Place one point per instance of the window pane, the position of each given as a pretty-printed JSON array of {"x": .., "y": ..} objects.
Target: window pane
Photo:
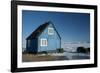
[
  {"x": 50, "y": 31},
  {"x": 43, "y": 42},
  {"x": 28, "y": 43}
]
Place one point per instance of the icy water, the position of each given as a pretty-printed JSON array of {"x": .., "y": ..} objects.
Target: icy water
[
  {"x": 75, "y": 56},
  {"x": 71, "y": 56}
]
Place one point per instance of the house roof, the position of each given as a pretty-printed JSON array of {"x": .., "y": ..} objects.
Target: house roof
[{"x": 39, "y": 30}]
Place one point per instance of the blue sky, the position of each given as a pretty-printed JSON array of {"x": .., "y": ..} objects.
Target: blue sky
[{"x": 72, "y": 27}]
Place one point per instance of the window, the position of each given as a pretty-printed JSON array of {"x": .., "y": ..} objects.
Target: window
[
  {"x": 44, "y": 42},
  {"x": 50, "y": 31},
  {"x": 29, "y": 42}
]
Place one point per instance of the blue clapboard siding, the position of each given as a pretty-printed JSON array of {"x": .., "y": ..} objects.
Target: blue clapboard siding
[
  {"x": 53, "y": 40},
  {"x": 33, "y": 45}
]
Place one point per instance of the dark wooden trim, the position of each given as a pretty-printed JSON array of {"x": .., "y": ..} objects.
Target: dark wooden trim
[
  {"x": 95, "y": 37},
  {"x": 13, "y": 36}
]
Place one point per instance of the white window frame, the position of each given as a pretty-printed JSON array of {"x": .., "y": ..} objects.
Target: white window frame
[
  {"x": 50, "y": 28},
  {"x": 41, "y": 42}
]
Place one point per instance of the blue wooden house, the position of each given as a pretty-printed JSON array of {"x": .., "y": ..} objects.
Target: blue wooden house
[{"x": 44, "y": 38}]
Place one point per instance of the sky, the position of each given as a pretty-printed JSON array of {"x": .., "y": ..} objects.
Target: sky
[{"x": 72, "y": 27}]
